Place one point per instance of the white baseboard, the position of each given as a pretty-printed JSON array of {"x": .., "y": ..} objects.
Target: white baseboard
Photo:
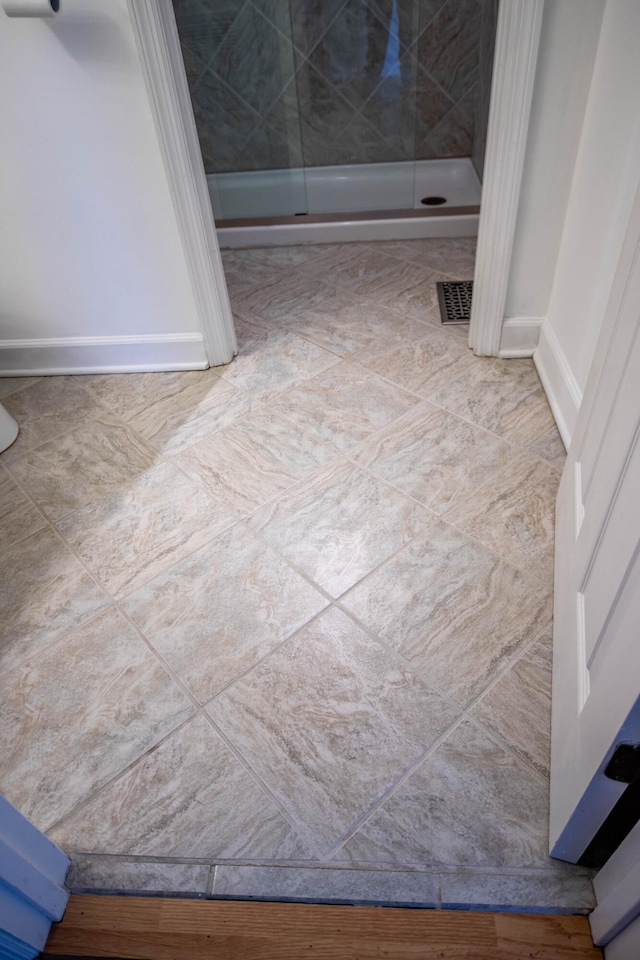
[
  {"x": 519, "y": 336},
  {"x": 560, "y": 385},
  {"x": 171, "y": 351}
]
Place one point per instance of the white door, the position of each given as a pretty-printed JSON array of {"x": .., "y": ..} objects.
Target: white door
[{"x": 596, "y": 670}]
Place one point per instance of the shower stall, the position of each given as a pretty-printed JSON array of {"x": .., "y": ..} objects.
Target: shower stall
[{"x": 325, "y": 120}]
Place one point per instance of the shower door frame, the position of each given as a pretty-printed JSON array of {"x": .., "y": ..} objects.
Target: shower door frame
[{"x": 517, "y": 39}]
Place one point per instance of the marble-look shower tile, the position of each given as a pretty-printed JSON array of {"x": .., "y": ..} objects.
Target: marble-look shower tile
[
  {"x": 391, "y": 109},
  {"x": 220, "y": 611},
  {"x": 451, "y": 137},
  {"x": 310, "y": 19},
  {"x": 448, "y": 46},
  {"x": 203, "y": 26},
  {"x": 341, "y": 323},
  {"x": 513, "y": 514},
  {"x": 274, "y": 361},
  {"x": 454, "y": 610},
  {"x": 433, "y": 456},
  {"x": 343, "y": 405},
  {"x": 424, "y": 362},
  {"x": 340, "y": 526},
  {"x": 504, "y": 396},
  {"x": 224, "y": 122},
  {"x": 351, "y": 53},
  {"x": 550, "y": 447},
  {"x": 254, "y": 460},
  {"x": 330, "y": 721},
  {"x": 324, "y": 115},
  {"x": 130, "y": 536},
  {"x": 9, "y": 385},
  {"x": 470, "y": 803},
  {"x": 321, "y": 884},
  {"x": 93, "y": 874},
  {"x": 48, "y": 408},
  {"x": 254, "y": 60},
  {"x": 431, "y": 106},
  {"x": 84, "y": 465},
  {"x": 518, "y": 707},
  {"x": 44, "y": 593},
  {"x": 190, "y": 794},
  {"x": 560, "y": 889},
  {"x": 172, "y": 410},
  {"x": 79, "y": 712},
  {"x": 18, "y": 517}
]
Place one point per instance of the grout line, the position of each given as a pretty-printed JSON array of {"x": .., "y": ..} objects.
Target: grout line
[
  {"x": 357, "y": 825},
  {"x": 253, "y": 773}
]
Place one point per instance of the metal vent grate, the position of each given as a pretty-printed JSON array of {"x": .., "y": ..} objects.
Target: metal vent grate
[{"x": 454, "y": 297}]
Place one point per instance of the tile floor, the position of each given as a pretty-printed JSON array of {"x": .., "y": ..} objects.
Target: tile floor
[{"x": 283, "y": 628}]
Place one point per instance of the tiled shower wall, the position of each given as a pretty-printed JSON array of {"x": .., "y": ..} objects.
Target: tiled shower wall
[{"x": 290, "y": 83}]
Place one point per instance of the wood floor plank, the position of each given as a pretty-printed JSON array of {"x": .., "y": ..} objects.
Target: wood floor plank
[{"x": 146, "y": 928}]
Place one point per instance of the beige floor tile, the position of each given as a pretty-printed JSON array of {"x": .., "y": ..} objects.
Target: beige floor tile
[
  {"x": 49, "y": 408},
  {"x": 10, "y": 385},
  {"x": 375, "y": 275},
  {"x": 44, "y": 593},
  {"x": 172, "y": 410},
  {"x": 254, "y": 460},
  {"x": 340, "y": 322},
  {"x": 18, "y": 517},
  {"x": 418, "y": 299},
  {"x": 280, "y": 301},
  {"x": 340, "y": 526},
  {"x": 343, "y": 405},
  {"x": 128, "y": 537},
  {"x": 78, "y": 713},
  {"x": 274, "y": 362},
  {"x": 319, "y": 884},
  {"x": 518, "y": 707},
  {"x": 561, "y": 888},
  {"x": 453, "y": 256},
  {"x": 513, "y": 514},
  {"x": 424, "y": 362},
  {"x": 106, "y": 874},
  {"x": 433, "y": 455},
  {"x": 221, "y": 610},
  {"x": 504, "y": 396},
  {"x": 470, "y": 802},
  {"x": 191, "y": 794},
  {"x": 84, "y": 465},
  {"x": 330, "y": 721},
  {"x": 452, "y": 609},
  {"x": 550, "y": 447}
]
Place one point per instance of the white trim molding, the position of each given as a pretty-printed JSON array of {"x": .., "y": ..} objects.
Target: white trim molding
[
  {"x": 519, "y": 336},
  {"x": 163, "y": 67},
  {"x": 62, "y": 355},
  {"x": 32, "y": 893},
  {"x": 516, "y": 55},
  {"x": 560, "y": 385}
]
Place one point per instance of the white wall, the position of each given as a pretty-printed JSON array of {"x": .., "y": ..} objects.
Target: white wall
[
  {"x": 90, "y": 245},
  {"x": 568, "y": 42},
  {"x": 605, "y": 179}
]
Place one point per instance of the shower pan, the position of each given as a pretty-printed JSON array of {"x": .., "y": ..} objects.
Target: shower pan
[{"x": 341, "y": 119}]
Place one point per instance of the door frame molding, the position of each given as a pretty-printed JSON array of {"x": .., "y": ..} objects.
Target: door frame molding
[
  {"x": 158, "y": 46},
  {"x": 514, "y": 67},
  {"x": 517, "y": 41}
]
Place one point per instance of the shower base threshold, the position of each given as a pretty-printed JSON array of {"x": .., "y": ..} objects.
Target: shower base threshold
[
  {"x": 346, "y": 228},
  {"x": 376, "y": 201}
]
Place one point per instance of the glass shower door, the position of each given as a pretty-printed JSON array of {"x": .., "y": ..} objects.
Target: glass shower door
[{"x": 240, "y": 64}]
